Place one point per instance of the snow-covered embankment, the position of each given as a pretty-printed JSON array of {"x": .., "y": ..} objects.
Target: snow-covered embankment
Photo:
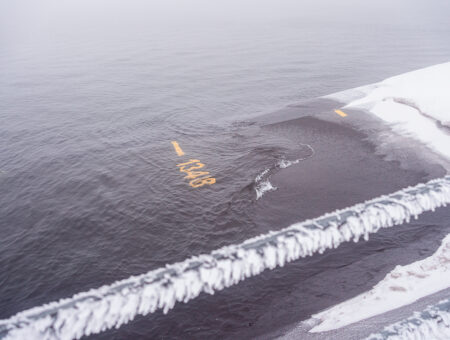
[
  {"x": 415, "y": 105},
  {"x": 402, "y": 286}
]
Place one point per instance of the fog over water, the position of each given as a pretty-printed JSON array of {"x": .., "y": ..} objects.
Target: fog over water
[{"x": 93, "y": 92}]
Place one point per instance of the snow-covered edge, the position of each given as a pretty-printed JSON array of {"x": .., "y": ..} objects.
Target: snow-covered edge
[
  {"x": 415, "y": 105},
  {"x": 116, "y": 304},
  {"x": 402, "y": 286},
  {"x": 431, "y": 323}
]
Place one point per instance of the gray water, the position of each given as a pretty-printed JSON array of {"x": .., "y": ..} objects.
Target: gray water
[{"x": 93, "y": 92}]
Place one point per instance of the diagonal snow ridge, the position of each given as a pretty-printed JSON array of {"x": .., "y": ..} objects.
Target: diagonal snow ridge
[
  {"x": 113, "y": 305},
  {"x": 431, "y": 323}
]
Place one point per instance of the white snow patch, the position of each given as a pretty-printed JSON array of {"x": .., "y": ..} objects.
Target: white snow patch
[
  {"x": 431, "y": 323},
  {"x": 402, "y": 286},
  {"x": 414, "y": 104}
]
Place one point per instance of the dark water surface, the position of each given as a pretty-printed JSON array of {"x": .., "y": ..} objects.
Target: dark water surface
[{"x": 93, "y": 92}]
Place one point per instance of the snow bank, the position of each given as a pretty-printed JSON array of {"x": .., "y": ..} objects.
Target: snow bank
[
  {"x": 402, "y": 286},
  {"x": 432, "y": 323},
  {"x": 414, "y": 104},
  {"x": 113, "y": 305}
]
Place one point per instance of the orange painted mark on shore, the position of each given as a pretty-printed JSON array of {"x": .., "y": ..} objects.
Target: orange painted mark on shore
[
  {"x": 177, "y": 148},
  {"x": 340, "y": 113}
]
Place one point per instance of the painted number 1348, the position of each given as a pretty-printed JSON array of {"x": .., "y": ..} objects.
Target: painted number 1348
[{"x": 197, "y": 177}]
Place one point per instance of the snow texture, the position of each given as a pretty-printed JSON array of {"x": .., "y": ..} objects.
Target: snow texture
[
  {"x": 432, "y": 323},
  {"x": 114, "y": 305},
  {"x": 400, "y": 287},
  {"x": 415, "y": 104}
]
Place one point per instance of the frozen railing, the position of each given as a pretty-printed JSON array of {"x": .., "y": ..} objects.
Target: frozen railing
[
  {"x": 113, "y": 305},
  {"x": 431, "y": 323}
]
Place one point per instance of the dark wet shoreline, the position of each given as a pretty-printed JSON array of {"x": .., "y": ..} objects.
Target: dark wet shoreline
[{"x": 344, "y": 170}]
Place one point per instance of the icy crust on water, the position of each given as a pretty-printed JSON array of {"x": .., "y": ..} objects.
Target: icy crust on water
[
  {"x": 113, "y": 305},
  {"x": 432, "y": 323},
  {"x": 262, "y": 184},
  {"x": 262, "y": 181},
  {"x": 414, "y": 104},
  {"x": 262, "y": 187},
  {"x": 400, "y": 287}
]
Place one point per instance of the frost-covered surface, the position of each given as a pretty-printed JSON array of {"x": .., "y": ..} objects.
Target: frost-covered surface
[
  {"x": 111, "y": 306},
  {"x": 432, "y": 323},
  {"x": 414, "y": 104},
  {"x": 400, "y": 287}
]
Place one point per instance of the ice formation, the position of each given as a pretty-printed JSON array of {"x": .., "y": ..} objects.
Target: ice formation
[
  {"x": 262, "y": 181},
  {"x": 262, "y": 184},
  {"x": 400, "y": 287},
  {"x": 432, "y": 323},
  {"x": 114, "y": 305},
  {"x": 415, "y": 104},
  {"x": 262, "y": 187}
]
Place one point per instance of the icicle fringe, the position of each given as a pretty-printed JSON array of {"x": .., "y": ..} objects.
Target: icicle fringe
[
  {"x": 116, "y": 304},
  {"x": 431, "y": 323}
]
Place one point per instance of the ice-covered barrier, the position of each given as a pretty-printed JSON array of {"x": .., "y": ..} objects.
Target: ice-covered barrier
[
  {"x": 113, "y": 305},
  {"x": 432, "y": 323}
]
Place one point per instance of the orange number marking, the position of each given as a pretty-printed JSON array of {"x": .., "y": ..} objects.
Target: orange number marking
[{"x": 199, "y": 182}]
